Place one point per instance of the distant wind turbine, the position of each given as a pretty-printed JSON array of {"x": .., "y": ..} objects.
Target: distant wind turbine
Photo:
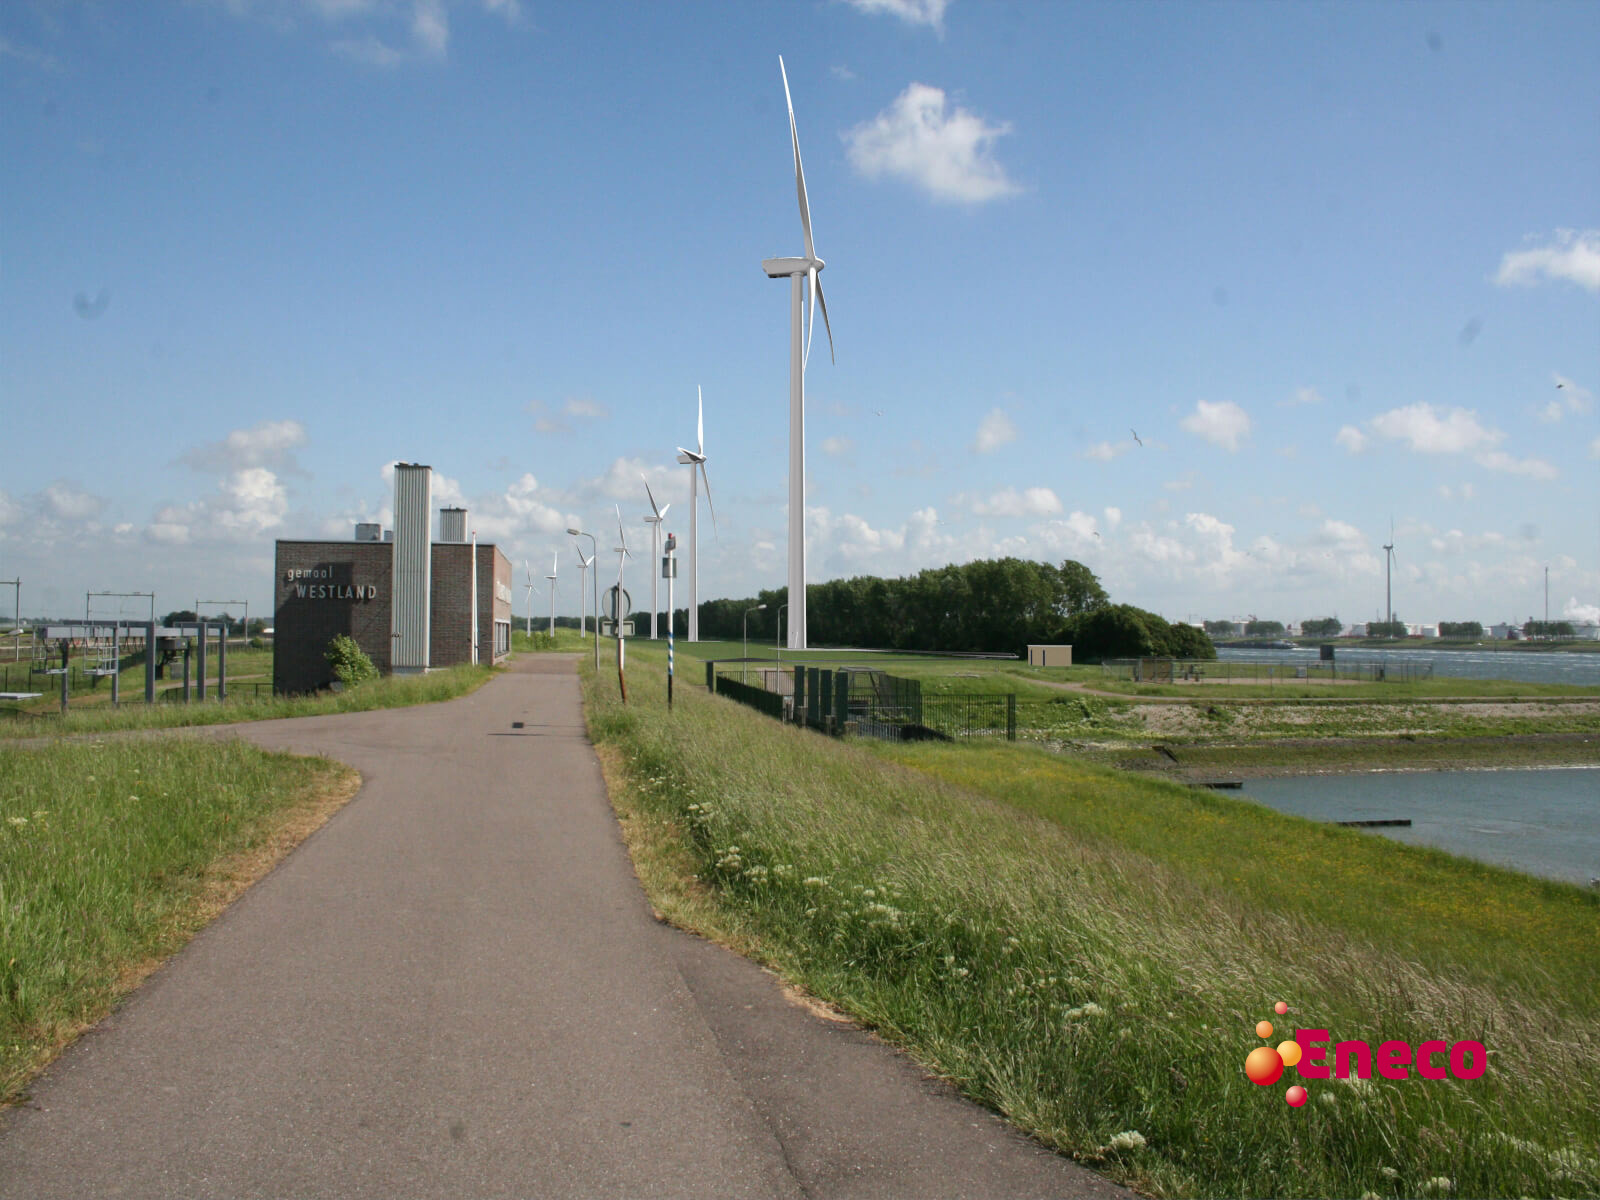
[
  {"x": 803, "y": 276},
  {"x": 583, "y": 601},
  {"x": 654, "y": 521},
  {"x": 552, "y": 578},
  {"x": 695, "y": 460},
  {"x": 527, "y": 627},
  {"x": 1388, "y": 563}
]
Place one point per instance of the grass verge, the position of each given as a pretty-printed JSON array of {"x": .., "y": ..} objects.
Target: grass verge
[
  {"x": 395, "y": 691},
  {"x": 112, "y": 855},
  {"x": 1088, "y": 953}
]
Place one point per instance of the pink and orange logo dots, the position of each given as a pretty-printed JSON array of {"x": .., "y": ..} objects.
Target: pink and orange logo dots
[{"x": 1264, "y": 1065}]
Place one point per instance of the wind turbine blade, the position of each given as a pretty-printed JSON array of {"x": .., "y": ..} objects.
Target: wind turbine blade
[
  {"x": 663, "y": 513},
  {"x": 652, "y": 496},
  {"x": 811, "y": 318},
  {"x": 823, "y": 300},
  {"x": 799, "y": 171},
  {"x": 710, "y": 505},
  {"x": 700, "y": 424}
]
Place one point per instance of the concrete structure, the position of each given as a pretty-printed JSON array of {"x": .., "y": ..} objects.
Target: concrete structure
[
  {"x": 1049, "y": 656},
  {"x": 411, "y": 604}
]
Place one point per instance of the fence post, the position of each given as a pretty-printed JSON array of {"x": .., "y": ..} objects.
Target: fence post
[
  {"x": 813, "y": 700},
  {"x": 841, "y": 701},
  {"x": 711, "y": 674},
  {"x": 824, "y": 697},
  {"x": 1011, "y": 716},
  {"x": 799, "y": 694}
]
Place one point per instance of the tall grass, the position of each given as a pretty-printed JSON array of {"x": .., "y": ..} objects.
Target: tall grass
[
  {"x": 1090, "y": 954},
  {"x": 394, "y": 691},
  {"x": 112, "y": 855}
]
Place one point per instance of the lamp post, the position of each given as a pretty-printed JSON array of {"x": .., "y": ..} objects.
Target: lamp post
[
  {"x": 747, "y": 613},
  {"x": 593, "y": 552}
]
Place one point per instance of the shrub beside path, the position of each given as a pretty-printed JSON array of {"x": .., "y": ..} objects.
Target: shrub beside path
[{"x": 456, "y": 988}]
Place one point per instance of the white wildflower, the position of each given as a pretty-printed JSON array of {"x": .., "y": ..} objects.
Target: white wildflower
[
  {"x": 1388, "y": 1172},
  {"x": 1128, "y": 1139},
  {"x": 814, "y": 881},
  {"x": 19, "y": 822},
  {"x": 1089, "y": 1009},
  {"x": 1441, "y": 1184}
]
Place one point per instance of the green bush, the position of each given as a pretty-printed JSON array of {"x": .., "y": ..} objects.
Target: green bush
[{"x": 350, "y": 663}]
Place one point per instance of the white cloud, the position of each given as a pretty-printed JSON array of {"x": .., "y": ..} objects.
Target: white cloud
[
  {"x": 994, "y": 431},
  {"x": 1113, "y": 517},
  {"x": 1570, "y": 255},
  {"x": 1427, "y": 430},
  {"x": 1532, "y": 468},
  {"x": 72, "y": 503},
  {"x": 948, "y": 155},
  {"x": 837, "y": 446},
  {"x": 1552, "y": 412},
  {"x": 840, "y": 71},
  {"x": 585, "y": 407},
  {"x": 1302, "y": 396},
  {"x": 912, "y": 12},
  {"x": 269, "y": 444},
  {"x": 1351, "y": 438},
  {"x": 1583, "y": 614},
  {"x": 1221, "y": 424},
  {"x": 1030, "y": 502},
  {"x": 247, "y": 504},
  {"x": 1106, "y": 451}
]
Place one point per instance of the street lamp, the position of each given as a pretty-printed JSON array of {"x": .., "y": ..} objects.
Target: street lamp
[
  {"x": 593, "y": 552},
  {"x": 747, "y": 613}
]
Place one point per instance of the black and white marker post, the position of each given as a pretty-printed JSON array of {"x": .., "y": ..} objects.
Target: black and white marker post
[{"x": 669, "y": 570}]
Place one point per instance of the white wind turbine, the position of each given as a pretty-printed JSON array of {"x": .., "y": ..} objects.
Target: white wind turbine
[
  {"x": 527, "y": 627},
  {"x": 552, "y": 578},
  {"x": 695, "y": 460},
  {"x": 655, "y": 551},
  {"x": 802, "y": 274},
  {"x": 583, "y": 595}
]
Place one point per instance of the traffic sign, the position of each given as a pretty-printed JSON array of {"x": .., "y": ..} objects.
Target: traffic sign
[{"x": 611, "y": 603}]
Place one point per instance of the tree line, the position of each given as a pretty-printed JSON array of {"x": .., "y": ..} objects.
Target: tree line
[{"x": 991, "y": 606}]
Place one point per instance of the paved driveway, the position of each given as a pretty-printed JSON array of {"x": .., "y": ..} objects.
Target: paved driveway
[{"x": 455, "y": 988}]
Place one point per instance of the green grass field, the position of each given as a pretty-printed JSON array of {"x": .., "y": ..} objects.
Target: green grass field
[
  {"x": 113, "y": 854},
  {"x": 1089, "y": 952},
  {"x": 392, "y": 692}
]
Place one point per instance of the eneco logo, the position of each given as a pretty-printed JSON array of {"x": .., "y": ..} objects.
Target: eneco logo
[{"x": 1308, "y": 1052}]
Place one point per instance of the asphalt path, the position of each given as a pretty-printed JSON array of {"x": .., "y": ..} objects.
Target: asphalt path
[{"x": 456, "y": 988}]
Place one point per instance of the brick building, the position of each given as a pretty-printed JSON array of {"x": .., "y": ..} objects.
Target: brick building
[{"x": 406, "y": 599}]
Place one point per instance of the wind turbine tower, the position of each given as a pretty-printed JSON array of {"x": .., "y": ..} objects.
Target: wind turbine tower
[
  {"x": 695, "y": 460},
  {"x": 804, "y": 281},
  {"x": 527, "y": 627},
  {"x": 1388, "y": 563},
  {"x": 654, "y": 521},
  {"x": 583, "y": 596},
  {"x": 552, "y": 578}
]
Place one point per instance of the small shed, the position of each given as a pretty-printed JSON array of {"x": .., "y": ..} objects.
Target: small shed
[{"x": 1049, "y": 656}]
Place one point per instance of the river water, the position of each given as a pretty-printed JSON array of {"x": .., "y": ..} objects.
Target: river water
[
  {"x": 1544, "y": 821},
  {"x": 1524, "y": 666}
]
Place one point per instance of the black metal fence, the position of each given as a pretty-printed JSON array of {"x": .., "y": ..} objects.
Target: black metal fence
[{"x": 863, "y": 701}]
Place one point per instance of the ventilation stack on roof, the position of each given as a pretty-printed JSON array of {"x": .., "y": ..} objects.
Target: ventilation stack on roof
[
  {"x": 413, "y": 566},
  {"x": 369, "y": 531},
  {"x": 452, "y": 524}
]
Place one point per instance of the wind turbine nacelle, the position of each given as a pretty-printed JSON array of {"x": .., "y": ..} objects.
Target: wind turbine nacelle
[
  {"x": 688, "y": 459},
  {"x": 781, "y": 268}
]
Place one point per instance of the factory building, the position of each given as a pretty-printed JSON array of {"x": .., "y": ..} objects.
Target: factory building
[{"x": 411, "y": 601}]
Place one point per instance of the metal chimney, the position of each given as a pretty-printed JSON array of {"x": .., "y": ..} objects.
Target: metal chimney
[
  {"x": 413, "y": 567},
  {"x": 369, "y": 531},
  {"x": 452, "y": 524}
]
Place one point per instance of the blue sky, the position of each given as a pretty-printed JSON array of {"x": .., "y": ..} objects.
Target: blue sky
[{"x": 1335, "y": 264}]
